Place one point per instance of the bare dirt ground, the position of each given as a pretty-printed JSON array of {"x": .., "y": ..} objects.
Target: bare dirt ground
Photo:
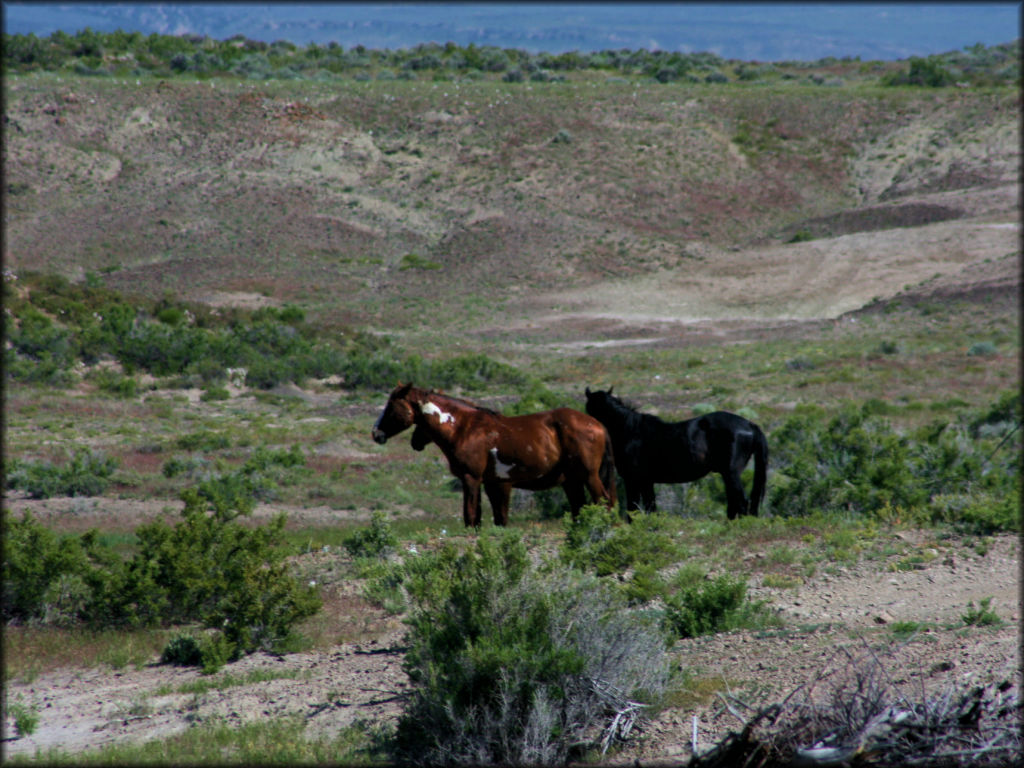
[
  {"x": 828, "y": 618},
  {"x": 716, "y": 290}
]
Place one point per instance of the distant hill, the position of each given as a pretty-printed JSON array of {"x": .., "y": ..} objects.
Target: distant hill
[{"x": 759, "y": 32}]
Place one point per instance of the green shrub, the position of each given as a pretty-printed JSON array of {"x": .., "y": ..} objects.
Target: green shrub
[
  {"x": 85, "y": 474},
  {"x": 979, "y": 514},
  {"x": 512, "y": 666},
  {"x": 38, "y": 337},
  {"x": 209, "y": 568},
  {"x": 415, "y": 261},
  {"x": 183, "y": 651},
  {"x": 376, "y": 541},
  {"x": 192, "y": 466},
  {"x": 203, "y": 440},
  {"x": 473, "y": 371},
  {"x": 214, "y": 393},
  {"x": 172, "y": 316},
  {"x": 216, "y": 650},
  {"x": 273, "y": 345},
  {"x": 113, "y": 382},
  {"x": 857, "y": 462},
  {"x": 39, "y": 351},
  {"x": 534, "y": 397},
  {"x": 1006, "y": 410},
  {"x": 982, "y": 349},
  {"x": 706, "y": 607},
  {"x": 599, "y": 541},
  {"x": 161, "y": 349},
  {"x": 928, "y": 72},
  {"x": 982, "y": 616},
  {"x": 36, "y": 562},
  {"x": 26, "y": 718}
]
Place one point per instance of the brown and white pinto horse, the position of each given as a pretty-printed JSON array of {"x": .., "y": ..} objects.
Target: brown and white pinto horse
[{"x": 536, "y": 451}]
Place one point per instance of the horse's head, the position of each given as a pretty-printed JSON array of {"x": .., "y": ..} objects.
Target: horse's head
[
  {"x": 599, "y": 402},
  {"x": 397, "y": 415}
]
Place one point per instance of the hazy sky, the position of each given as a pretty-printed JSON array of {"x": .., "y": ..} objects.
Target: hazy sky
[{"x": 766, "y": 31}]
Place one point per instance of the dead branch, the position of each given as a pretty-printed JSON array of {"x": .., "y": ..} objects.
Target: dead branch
[{"x": 861, "y": 718}]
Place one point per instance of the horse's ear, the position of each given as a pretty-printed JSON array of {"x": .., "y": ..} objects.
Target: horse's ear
[
  {"x": 610, "y": 389},
  {"x": 401, "y": 389},
  {"x": 586, "y": 391}
]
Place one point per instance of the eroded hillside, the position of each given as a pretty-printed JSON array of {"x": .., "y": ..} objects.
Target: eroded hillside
[{"x": 346, "y": 196}]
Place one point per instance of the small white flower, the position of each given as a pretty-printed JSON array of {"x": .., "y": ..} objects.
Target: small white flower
[
  {"x": 312, "y": 583},
  {"x": 412, "y": 549}
]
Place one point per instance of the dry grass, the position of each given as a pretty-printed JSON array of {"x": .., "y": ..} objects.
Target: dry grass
[
  {"x": 346, "y": 617},
  {"x": 30, "y": 650}
]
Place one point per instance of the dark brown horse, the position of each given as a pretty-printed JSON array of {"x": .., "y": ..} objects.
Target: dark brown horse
[
  {"x": 536, "y": 451},
  {"x": 649, "y": 450}
]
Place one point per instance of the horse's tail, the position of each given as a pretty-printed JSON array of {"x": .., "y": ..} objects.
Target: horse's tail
[
  {"x": 607, "y": 471},
  {"x": 760, "y": 470}
]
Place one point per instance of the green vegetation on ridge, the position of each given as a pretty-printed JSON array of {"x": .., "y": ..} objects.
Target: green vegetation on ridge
[{"x": 121, "y": 53}]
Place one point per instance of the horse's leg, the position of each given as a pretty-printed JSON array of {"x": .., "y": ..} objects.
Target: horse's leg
[
  {"x": 471, "y": 501},
  {"x": 647, "y": 493},
  {"x": 598, "y": 492},
  {"x": 735, "y": 496},
  {"x": 632, "y": 495},
  {"x": 498, "y": 494},
  {"x": 574, "y": 492}
]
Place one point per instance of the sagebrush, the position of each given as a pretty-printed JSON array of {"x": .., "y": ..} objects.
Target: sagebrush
[{"x": 518, "y": 666}]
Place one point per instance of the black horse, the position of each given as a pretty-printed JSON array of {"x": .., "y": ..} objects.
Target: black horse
[{"x": 649, "y": 450}]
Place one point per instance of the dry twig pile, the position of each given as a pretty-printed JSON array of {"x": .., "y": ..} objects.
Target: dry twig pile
[{"x": 853, "y": 715}]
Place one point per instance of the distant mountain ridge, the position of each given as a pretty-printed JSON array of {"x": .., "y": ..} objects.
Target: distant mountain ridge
[{"x": 759, "y": 32}]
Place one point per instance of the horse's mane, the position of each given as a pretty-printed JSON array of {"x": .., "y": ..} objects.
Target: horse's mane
[
  {"x": 628, "y": 412},
  {"x": 622, "y": 405},
  {"x": 463, "y": 401}
]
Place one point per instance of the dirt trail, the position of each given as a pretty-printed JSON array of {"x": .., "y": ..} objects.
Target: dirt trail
[{"x": 816, "y": 280}]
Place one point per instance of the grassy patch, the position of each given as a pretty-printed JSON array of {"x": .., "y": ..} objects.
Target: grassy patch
[
  {"x": 29, "y": 650},
  {"x": 688, "y": 690},
  {"x": 281, "y": 741},
  {"x": 982, "y": 615},
  {"x": 220, "y": 682}
]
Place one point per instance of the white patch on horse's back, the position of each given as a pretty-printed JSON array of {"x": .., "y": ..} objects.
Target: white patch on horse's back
[
  {"x": 428, "y": 409},
  {"x": 501, "y": 470}
]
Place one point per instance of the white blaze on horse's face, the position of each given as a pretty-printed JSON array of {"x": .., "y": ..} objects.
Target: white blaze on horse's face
[
  {"x": 430, "y": 409},
  {"x": 501, "y": 470}
]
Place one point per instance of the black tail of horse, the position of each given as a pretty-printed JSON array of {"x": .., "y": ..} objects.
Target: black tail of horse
[
  {"x": 760, "y": 470},
  {"x": 607, "y": 472}
]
